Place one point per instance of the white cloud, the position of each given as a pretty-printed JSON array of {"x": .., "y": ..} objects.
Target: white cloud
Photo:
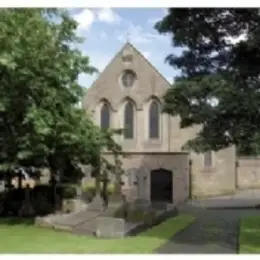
[
  {"x": 137, "y": 34},
  {"x": 108, "y": 15},
  {"x": 85, "y": 19}
]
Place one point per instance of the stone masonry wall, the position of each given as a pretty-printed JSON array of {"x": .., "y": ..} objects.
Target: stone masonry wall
[
  {"x": 220, "y": 179},
  {"x": 138, "y": 166},
  {"x": 248, "y": 172}
]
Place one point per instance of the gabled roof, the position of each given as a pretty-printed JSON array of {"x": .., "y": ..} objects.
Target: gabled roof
[{"x": 125, "y": 46}]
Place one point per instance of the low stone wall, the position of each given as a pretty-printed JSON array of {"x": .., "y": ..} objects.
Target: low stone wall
[
  {"x": 217, "y": 180},
  {"x": 248, "y": 172}
]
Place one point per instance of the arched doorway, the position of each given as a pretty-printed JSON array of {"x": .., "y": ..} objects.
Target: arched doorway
[{"x": 161, "y": 186}]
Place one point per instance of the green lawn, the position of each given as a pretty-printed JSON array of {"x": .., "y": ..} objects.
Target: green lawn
[
  {"x": 249, "y": 239},
  {"x": 27, "y": 238}
]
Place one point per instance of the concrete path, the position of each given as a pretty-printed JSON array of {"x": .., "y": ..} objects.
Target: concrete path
[
  {"x": 241, "y": 199},
  {"x": 215, "y": 231}
]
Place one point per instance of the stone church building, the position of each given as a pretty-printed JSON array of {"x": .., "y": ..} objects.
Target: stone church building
[{"x": 128, "y": 94}]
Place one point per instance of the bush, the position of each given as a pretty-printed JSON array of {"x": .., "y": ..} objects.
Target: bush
[
  {"x": 120, "y": 212},
  {"x": 42, "y": 205},
  {"x": 13, "y": 201},
  {"x": 149, "y": 217},
  {"x": 90, "y": 190},
  {"x": 135, "y": 215},
  {"x": 69, "y": 191},
  {"x": 41, "y": 197}
]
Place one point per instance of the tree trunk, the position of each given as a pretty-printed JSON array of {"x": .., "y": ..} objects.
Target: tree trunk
[
  {"x": 53, "y": 184},
  {"x": 19, "y": 180},
  {"x": 97, "y": 181},
  {"x": 8, "y": 181},
  {"x": 118, "y": 183},
  {"x": 117, "y": 196},
  {"x": 105, "y": 182},
  {"x": 97, "y": 202}
]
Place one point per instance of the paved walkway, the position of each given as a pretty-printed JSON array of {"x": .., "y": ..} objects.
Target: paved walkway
[
  {"x": 241, "y": 199},
  {"x": 215, "y": 231}
]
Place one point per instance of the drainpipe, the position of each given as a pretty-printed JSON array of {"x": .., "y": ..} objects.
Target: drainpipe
[{"x": 169, "y": 133}]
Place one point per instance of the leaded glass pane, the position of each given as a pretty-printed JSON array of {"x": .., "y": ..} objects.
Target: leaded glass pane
[
  {"x": 129, "y": 121},
  {"x": 154, "y": 120},
  {"x": 105, "y": 117}
]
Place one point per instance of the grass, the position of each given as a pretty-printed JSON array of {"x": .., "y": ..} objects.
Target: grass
[
  {"x": 249, "y": 238},
  {"x": 23, "y": 237}
]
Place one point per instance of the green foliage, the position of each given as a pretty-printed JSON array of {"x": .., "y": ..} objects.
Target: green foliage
[
  {"x": 91, "y": 186},
  {"x": 39, "y": 119},
  {"x": 90, "y": 191},
  {"x": 147, "y": 217},
  {"x": 42, "y": 205},
  {"x": 218, "y": 88},
  {"x": 40, "y": 198},
  {"x": 69, "y": 191}
]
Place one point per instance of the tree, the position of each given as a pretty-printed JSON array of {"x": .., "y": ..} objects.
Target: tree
[
  {"x": 218, "y": 87},
  {"x": 39, "y": 120}
]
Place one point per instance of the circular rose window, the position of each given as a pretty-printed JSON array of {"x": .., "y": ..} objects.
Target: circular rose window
[{"x": 128, "y": 78}]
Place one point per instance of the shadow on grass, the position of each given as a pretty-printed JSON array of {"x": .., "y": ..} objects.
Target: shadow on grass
[
  {"x": 16, "y": 221},
  {"x": 214, "y": 231},
  {"x": 205, "y": 234},
  {"x": 160, "y": 219}
]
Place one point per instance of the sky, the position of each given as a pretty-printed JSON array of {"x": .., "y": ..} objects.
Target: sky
[{"x": 106, "y": 30}]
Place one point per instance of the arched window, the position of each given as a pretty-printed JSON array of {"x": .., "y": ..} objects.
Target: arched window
[
  {"x": 154, "y": 120},
  {"x": 105, "y": 116},
  {"x": 129, "y": 121}
]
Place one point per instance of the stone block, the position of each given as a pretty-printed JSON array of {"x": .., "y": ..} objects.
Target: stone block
[
  {"x": 108, "y": 227},
  {"x": 42, "y": 222},
  {"x": 140, "y": 204},
  {"x": 97, "y": 204},
  {"x": 160, "y": 206},
  {"x": 68, "y": 206},
  {"x": 63, "y": 228},
  {"x": 73, "y": 205}
]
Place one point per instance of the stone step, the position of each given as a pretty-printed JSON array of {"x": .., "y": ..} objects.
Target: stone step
[
  {"x": 89, "y": 225},
  {"x": 86, "y": 228},
  {"x": 75, "y": 219},
  {"x": 83, "y": 232},
  {"x": 62, "y": 227}
]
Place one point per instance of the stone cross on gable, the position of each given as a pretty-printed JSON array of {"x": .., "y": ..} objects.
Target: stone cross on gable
[{"x": 128, "y": 37}]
